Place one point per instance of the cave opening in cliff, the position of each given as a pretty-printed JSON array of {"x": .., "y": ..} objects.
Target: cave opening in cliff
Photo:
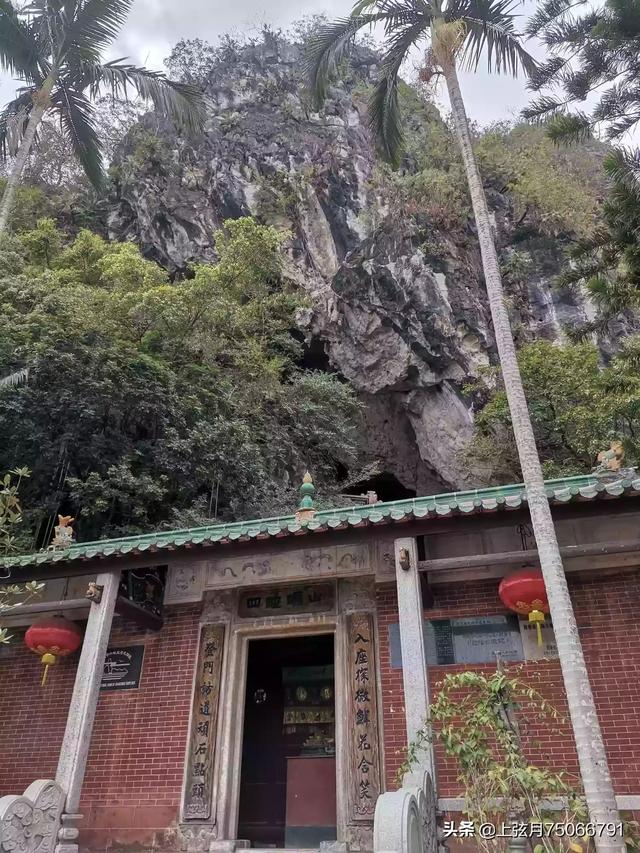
[
  {"x": 314, "y": 356},
  {"x": 386, "y": 486}
]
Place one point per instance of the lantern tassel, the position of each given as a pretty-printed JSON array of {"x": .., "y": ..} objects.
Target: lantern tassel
[
  {"x": 48, "y": 660},
  {"x": 537, "y": 616}
]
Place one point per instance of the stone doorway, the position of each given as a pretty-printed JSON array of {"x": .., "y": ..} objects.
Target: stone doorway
[
  {"x": 348, "y": 620},
  {"x": 287, "y": 795}
]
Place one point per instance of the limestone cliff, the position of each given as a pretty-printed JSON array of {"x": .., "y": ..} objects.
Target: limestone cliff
[{"x": 399, "y": 306}]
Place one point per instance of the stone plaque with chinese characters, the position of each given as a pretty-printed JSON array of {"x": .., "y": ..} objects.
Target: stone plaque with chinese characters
[
  {"x": 362, "y": 722},
  {"x": 184, "y": 583},
  {"x": 332, "y": 561},
  {"x": 204, "y": 717},
  {"x": 287, "y": 600}
]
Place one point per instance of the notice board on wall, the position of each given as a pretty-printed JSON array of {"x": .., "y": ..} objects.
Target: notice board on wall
[
  {"x": 477, "y": 639},
  {"x": 122, "y": 668}
]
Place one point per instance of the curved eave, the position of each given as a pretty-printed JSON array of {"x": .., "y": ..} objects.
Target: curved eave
[{"x": 481, "y": 502}]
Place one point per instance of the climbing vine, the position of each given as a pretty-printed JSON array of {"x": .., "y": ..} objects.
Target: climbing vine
[{"x": 482, "y": 723}]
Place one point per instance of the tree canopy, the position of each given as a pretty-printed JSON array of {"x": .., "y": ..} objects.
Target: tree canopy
[
  {"x": 592, "y": 51},
  {"x": 577, "y": 408},
  {"x": 151, "y": 402}
]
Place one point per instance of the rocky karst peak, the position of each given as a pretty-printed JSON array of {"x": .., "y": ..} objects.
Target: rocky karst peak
[{"x": 398, "y": 303}]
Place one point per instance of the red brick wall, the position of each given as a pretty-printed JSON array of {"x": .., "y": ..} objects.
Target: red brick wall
[
  {"x": 134, "y": 774},
  {"x": 607, "y": 615},
  {"x": 134, "y": 778}
]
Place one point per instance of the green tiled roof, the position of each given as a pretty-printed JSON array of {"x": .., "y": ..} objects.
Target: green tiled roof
[{"x": 581, "y": 488}]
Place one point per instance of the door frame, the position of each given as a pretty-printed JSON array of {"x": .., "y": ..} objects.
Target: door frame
[{"x": 228, "y": 761}]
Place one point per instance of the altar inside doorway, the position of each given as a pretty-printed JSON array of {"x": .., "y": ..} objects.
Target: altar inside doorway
[{"x": 288, "y": 771}]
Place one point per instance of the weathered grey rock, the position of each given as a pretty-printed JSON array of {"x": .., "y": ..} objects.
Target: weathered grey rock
[{"x": 400, "y": 309}]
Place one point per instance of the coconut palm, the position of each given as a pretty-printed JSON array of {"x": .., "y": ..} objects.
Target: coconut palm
[
  {"x": 458, "y": 33},
  {"x": 55, "y": 48}
]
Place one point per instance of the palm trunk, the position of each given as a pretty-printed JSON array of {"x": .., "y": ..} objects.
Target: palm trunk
[
  {"x": 35, "y": 117},
  {"x": 594, "y": 769}
]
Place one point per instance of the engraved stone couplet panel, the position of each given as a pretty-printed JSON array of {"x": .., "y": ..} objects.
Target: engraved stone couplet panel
[
  {"x": 184, "y": 583},
  {"x": 204, "y": 717},
  {"x": 30, "y": 822},
  {"x": 332, "y": 561},
  {"x": 362, "y": 719}
]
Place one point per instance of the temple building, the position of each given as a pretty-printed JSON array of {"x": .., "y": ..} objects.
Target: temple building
[{"x": 253, "y": 684}]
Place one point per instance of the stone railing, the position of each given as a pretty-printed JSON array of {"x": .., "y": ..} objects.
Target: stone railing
[
  {"x": 29, "y": 823},
  {"x": 405, "y": 820}
]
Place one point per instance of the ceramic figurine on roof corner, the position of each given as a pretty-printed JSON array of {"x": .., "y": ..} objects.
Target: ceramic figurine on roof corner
[
  {"x": 63, "y": 534},
  {"x": 610, "y": 464}
]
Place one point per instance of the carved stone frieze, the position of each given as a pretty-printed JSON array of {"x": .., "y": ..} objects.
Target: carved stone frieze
[
  {"x": 30, "y": 822},
  {"x": 359, "y": 837},
  {"x": 356, "y": 594},
  {"x": 195, "y": 839},
  {"x": 219, "y": 606},
  {"x": 184, "y": 583}
]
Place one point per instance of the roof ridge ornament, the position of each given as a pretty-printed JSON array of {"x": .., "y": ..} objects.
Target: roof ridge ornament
[
  {"x": 63, "y": 534},
  {"x": 610, "y": 468},
  {"x": 306, "y": 510}
]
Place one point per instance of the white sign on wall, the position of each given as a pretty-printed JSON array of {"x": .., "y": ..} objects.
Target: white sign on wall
[{"x": 532, "y": 651}]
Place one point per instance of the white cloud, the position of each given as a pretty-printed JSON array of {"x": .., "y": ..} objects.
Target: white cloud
[{"x": 155, "y": 25}]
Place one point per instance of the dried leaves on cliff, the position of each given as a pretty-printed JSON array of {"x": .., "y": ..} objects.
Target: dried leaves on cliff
[{"x": 149, "y": 401}]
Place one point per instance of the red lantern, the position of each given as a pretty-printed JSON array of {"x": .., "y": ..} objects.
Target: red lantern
[
  {"x": 524, "y": 592},
  {"x": 53, "y": 637}
]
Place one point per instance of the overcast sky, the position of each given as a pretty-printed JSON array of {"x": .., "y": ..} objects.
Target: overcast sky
[{"x": 155, "y": 25}]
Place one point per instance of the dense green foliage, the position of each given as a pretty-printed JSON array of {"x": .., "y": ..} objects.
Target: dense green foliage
[
  {"x": 577, "y": 409},
  {"x": 12, "y": 595},
  {"x": 553, "y": 192},
  {"x": 607, "y": 260},
  {"x": 149, "y": 401},
  {"x": 480, "y": 722},
  {"x": 592, "y": 51}
]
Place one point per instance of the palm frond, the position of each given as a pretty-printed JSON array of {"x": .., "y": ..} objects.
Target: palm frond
[
  {"x": 569, "y": 128},
  {"x": 362, "y": 6},
  {"x": 619, "y": 106},
  {"x": 385, "y": 120},
  {"x": 542, "y": 107},
  {"x": 18, "y": 45},
  {"x": 327, "y": 48},
  {"x": 94, "y": 24},
  {"x": 13, "y": 123},
  {"x": 620, "y": 126},
  {"x": 18, "y": 377},
  {"x": 490, "y": 29},
  {"x": 546, "y": 74},
  {"x": 572, "y": 32},
  {"x": 547, "y": 12},
  {"x": 622, "y": 166},
  {"x": 77, "y": 119},
  {"x": 182, "y": 103}
]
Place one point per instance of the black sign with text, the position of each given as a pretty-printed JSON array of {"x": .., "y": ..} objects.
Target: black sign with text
[{"x": 122, "y": 668}]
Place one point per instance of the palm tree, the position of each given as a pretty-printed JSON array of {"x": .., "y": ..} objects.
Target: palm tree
[
  {"x": 55, "y": 47},
  {"x": 460, "y": 32}
]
